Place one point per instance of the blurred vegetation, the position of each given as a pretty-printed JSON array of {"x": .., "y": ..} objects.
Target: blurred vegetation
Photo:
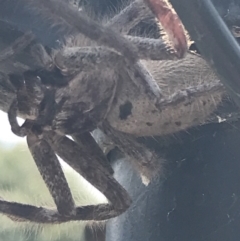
[{"x": 20, "y": 181}]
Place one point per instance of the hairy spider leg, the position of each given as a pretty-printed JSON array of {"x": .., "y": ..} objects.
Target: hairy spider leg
[
  {"x": 51, "y": 171},
  {"x": 146, "y": 161},
  {"x": 60, "y": 10},
  {"x": 130, "y": 16},
  {"x": 87, "y": 142},
  {"x": 53, "y": 176},
  {"x": 153, "y": 49},
  {"x": 46, "y": 161},
  {"x": 31, "y": 91},
  {"x": 171, "y": 24},
  {"x": 19, "y": 45},
  {"x": 94, "y": 173}
]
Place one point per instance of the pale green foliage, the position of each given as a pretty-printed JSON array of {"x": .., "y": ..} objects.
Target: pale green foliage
[{"x": 20, "y": 181}]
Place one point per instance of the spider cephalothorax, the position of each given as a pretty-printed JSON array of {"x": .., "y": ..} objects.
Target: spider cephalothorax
[{"x": 100, "y": 83}]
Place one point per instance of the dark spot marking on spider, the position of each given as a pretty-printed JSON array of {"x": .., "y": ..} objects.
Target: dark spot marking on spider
[
  {"x": 125, "y": 110},
  {"x": 204, "y": 103},
  {"x": 166, "y": 123},
  {"x": 149, "y": 123},
  {"x": 154, "y": 111},
  {"x": 178, "y": 123}
]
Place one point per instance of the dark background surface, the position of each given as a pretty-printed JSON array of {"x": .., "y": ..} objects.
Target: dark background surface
[{"x": 199, "y": 197}]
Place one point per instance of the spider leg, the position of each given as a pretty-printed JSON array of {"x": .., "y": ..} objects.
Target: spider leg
[
  {"x": 51, "y": 172},
  {"x": 46, "y": 161},
  {"x": 42, "y": 57},
  {"x": 154, "y": 49},
  {"x": 171, "y": 23},
  {"x": 61, "y": 11},
  {"x": 17, "y": 46},
  {"x": 144, "y": 160},
  {"x": 130, "y": 16},
  {"x": 96, "y": 174},
  {"x": 12, "y": 113},
  {"x": 29, "y": 94},
  {"x": 140, "y": 10},
  {"x": 87, "y": 142}
]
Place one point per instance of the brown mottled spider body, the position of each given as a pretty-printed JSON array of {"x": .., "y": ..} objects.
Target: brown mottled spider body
[
  {"x": 91, "y": 76},
  {"x": 101, "y": 84}
]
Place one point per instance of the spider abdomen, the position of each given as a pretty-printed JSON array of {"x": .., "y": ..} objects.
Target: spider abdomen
[{"x": 190, "y": 95}]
